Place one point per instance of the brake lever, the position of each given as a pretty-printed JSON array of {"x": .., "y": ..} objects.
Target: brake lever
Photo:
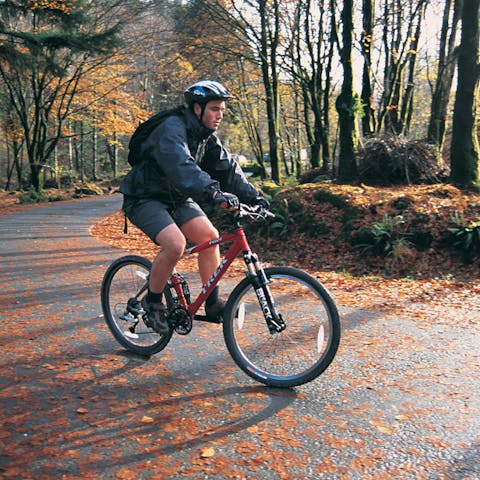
[
  {"x": 256, "y": 211},
  {"x": 268, "y": 213}
]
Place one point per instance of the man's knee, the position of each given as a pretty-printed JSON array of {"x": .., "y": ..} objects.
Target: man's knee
[
  {"x": 199, "y": 230},
  {"x": 212, "y": 232},
  {"x": 171, "y": 241}
]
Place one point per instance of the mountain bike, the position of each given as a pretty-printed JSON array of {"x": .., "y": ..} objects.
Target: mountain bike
[{"x": 280, "y": 324}]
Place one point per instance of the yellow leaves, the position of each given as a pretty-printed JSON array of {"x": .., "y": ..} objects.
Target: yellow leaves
[
  {"x": 170, "y": 428},
  {"x": 382, "y": 426},
  {"x": 384, "y": 429},
  {"x": 438, "y": 443},
  {"x": 105, "y": 103},
  {"x": 339, "y": 443},
  {"x": 180, "y": 67},
  {"x": 146, "y": 419},
  {"x": 207, "y": 452},
  {"x": 53, "y": 5},
  {"x": 126, "y": 473}
]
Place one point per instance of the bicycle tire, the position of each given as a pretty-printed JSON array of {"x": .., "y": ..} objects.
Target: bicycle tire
[
  {"x": 122, "y": 281},
  {"x": 301, "y": 352}
]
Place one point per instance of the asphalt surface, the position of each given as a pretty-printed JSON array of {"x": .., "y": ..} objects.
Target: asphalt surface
[{"x": 401, "y": 399}]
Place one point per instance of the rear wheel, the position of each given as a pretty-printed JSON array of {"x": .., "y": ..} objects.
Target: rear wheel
[
  {"x": 299, "y": 353},
  {"x": 124, "y": 285}
]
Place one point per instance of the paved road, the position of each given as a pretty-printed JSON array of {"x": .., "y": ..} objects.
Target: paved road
[{"x": 401, "y": 400}]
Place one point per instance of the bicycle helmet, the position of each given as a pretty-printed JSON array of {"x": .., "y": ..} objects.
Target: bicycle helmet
[{"x": 205, "y": 91}]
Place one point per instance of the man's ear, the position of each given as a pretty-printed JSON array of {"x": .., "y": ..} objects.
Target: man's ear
[{"x": 197, "y": 109}]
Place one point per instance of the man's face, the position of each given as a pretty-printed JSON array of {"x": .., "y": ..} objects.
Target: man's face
[{"x": 213, "y": 114}]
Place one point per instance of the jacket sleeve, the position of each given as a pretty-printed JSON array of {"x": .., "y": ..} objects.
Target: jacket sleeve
[
  {"x": 168, "y": 148},
  {"x": 220, "y": 165}
]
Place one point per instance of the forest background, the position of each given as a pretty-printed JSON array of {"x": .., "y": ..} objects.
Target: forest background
[{"x": 368, "y": 95}]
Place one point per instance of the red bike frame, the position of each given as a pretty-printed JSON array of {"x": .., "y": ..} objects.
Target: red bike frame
[{"x": 239, "y": 245}]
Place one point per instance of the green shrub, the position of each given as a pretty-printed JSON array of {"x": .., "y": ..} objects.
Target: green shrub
[
  {"x": 380, "y": 239},
  {"x": 341, "y": 202},
  {"x": 465, "y": 237},
  {"x": 284, "y": 218},
  {"x": 33, "y": 196},
  {"x": 313, "y": 227}
]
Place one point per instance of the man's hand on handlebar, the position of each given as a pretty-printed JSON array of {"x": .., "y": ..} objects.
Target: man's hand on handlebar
[
  {"x": 261, "y": 207},
  {"x": 227, "y": 201},
  {"x": 261, "y": 202}
]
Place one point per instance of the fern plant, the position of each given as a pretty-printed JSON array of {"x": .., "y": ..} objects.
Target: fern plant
[
  {"x": 380, "y": 239},
  {"x": 465, "y": 236},
  {"x": 284, "y": 219}
]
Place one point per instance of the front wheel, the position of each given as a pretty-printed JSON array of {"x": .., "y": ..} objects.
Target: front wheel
[
  {"x": 124, "y": 284},
  {"x": 299, "y": 353}
]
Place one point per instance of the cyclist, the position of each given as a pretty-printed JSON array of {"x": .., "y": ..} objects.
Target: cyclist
[{"x": 183, "y": 162}]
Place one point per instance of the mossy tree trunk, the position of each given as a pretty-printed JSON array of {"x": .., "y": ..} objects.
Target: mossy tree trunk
[
  {"x": 369, "y": 121},
  {"x": 465, "y": 150},
  {"x": 345, "y": 104}
]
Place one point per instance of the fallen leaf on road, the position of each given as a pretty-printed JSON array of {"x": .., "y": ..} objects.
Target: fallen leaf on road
[{"x": 207, "y": 452}]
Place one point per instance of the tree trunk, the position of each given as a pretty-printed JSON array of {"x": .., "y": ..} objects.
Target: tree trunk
[
  {"x": 408, "y": 94},
  {"x": 269, "y": 42},
  {"x": 82, "y": 152},
  {"x": 446, "y": 68},
  {"x": 345, "y": 104},
  {"x": 368, "y": 119},
  {"x": 94, "y": 152},
  {"x": 465, "y": 150}
]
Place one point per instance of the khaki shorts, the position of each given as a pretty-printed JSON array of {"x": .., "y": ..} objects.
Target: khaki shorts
[{"x": 152, "y": 216}]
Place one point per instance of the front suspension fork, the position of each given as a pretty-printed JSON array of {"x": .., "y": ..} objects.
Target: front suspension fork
[{"x": 256, "y": 275}]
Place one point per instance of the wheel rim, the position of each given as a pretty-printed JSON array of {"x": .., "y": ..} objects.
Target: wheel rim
[{"x": 293, "y": 356}]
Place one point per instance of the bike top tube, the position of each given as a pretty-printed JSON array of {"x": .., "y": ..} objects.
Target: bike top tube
[
  {"x": 239, "y": 245},
  {"x": 238, "y": 237}
]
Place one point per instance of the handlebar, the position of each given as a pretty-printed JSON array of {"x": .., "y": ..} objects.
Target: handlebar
[{"x": 255, "y": 212}]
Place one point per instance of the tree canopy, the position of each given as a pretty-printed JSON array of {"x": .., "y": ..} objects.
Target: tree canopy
[{"x": 313, "y": 81}]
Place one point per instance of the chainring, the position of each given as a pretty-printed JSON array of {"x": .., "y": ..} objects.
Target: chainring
[{"x": 181, "y": 321}]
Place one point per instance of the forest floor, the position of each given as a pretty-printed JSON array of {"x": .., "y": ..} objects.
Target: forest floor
[{"x": 435, "y": 277}]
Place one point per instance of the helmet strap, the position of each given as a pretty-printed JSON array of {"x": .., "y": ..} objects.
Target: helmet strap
[
  {"x": 203, "y": 106},
  {"x": 202, "y": 109}
]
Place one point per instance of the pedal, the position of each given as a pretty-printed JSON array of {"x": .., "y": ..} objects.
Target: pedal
[
  {"x": 127, "y": 317},
  {"x": 204, "y": 318}
]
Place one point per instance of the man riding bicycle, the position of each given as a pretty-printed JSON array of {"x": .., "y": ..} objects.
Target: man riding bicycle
[{"x": 183, "y": 162}]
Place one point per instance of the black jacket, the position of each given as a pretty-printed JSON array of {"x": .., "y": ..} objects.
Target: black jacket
[{"x": 180, "y": 159}]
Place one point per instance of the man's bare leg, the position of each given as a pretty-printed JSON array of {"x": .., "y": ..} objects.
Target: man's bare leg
[
  {"x": 198, "y": 230},
  {"x": 172, "y": 244}
]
